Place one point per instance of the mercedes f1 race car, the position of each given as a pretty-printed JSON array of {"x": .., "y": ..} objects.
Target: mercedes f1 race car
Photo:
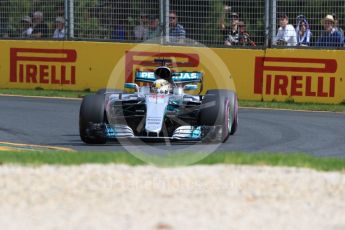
[{"x": 159, "y": 110}]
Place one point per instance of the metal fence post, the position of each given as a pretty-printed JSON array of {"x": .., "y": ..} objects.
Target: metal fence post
[
  {"x": 162, "y": 20},
  {"x": 166, "y": 19},
  {"x": 273, "y": 13},
  {"x": 71, "y": 18},
  {"x": 268, "y": 26},
  {"x": 66, "y": 18}
]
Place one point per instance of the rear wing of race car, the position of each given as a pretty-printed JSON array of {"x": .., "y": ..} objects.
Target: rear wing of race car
[{"x": 177, "y": 77}]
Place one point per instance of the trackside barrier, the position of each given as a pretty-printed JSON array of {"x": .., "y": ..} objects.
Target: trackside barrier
[{"x": 273, "y": 74}]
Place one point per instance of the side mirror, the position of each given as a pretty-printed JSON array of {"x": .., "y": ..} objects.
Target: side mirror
[
  {"x": 190, "y": 87},
  {"x": 132, "y": 86}
]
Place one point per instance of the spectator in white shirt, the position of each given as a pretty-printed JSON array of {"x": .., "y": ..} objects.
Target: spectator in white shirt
[
  {"x": 141, "y": 30},
  {"x": 59, "y": 32},
  {"x": 286, "y": 35},
  {"x": 26, "y": 27}
]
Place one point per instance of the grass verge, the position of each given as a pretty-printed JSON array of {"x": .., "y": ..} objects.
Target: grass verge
[
  {"x": 294, "y": 105},
  {"x": 243, "y": 103},
  {"x": 237, "y": 158},
  {"x": 45, "y": 93}
]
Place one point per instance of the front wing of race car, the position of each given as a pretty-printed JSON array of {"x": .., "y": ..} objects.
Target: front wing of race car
[{"x": 113, "y": 132}]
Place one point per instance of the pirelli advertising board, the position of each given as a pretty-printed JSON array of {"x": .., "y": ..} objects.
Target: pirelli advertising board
[{"x": 274, "y": 74}]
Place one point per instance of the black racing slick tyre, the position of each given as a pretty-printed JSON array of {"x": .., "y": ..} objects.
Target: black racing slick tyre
[
  {"x": 91, "y": 111},
  {"x": 219, "y": 109}
]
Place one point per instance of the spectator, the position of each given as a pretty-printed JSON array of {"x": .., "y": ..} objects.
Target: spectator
[
  {"x": 4, "y": 31},
  {"x": 59, "y": 32},
  {"x": 176, "y": 31},
  {"x": 141, "y": 30},
  {"x": 244, "y": 37},
  {"x": 330, "y": 36},
  {"x": 154, "y": 28},
  {"x": 336, "y": 25},
  {"x": 40, "y": 29},
  {"x": 4, "y": 19},
  {"x": 26, "y": 29},
  {"x": 303, "y": 31},
  {"x": 119, "y": 33},
  {"x": 286, "y": 34},
  {"x": 231, "y": 32}
]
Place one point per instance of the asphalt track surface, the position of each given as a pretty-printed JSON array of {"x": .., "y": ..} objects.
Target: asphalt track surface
[{"x": 54, "y": 122}]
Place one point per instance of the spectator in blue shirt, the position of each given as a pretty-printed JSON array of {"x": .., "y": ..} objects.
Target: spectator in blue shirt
[
  {"x": 176, "y": 31},
  {"x": 330, "y": 37},
  {"x": 119, "y": 32},
  {"x": 336, "y": 24}
]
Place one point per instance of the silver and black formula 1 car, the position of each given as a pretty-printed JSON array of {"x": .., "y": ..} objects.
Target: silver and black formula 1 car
[{"x": 159, "y": 110}]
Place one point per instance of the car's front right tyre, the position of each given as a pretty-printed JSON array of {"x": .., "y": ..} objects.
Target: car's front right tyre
[{"x": 219, "y": 110}]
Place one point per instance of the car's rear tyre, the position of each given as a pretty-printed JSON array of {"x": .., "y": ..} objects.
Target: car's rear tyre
[
  {"x": 219, "y": 108},
  {"x": 91, "y": 111}
]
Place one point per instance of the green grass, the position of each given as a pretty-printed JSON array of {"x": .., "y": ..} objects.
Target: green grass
[
  {"x": 237, "y": 158},
  {"x": 45, "y": 92},
  {"x": 66, "y": 158},
  {"x": 243, "y": 103},
  {"x": 294, "y": 105}
]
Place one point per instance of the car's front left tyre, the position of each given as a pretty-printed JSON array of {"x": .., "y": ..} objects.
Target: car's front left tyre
[{"x": 91, "y": 112}]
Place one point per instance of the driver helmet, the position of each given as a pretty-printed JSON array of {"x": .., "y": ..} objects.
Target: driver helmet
[
  {"x": 163, "y": 72},
  {"x": 161, "y": 86}
]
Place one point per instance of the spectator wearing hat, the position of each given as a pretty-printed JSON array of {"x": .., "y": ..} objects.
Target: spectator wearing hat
[
  {"x": 303, "y": 31},
  {"x": 176, "y": 31},
  {"x": 40, "y": 28},
  {"x": 336, "y": 25},
  {"x": 141, "y": 30},
  {"x": 330, "y": 37},
  {"x": 231, "y": 32},
  {"x": 286, "y": 34},
  {"x": 26, "y": 29},
  {"x": 59, "y": 32}
]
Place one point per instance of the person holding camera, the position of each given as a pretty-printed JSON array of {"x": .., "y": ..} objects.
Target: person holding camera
[
  {"x": 230, "y": 32},
  {"x": 244, "y": 37},
  {"x": 286, "y": 35}
]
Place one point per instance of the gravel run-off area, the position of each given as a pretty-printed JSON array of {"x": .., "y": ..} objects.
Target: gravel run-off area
[{"x": 147, "y": 197}]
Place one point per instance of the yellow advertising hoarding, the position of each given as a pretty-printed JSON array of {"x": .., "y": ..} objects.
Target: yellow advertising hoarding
[
  {"x": 301, "y": 75},
  {"x": 273, "y": 74}
]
